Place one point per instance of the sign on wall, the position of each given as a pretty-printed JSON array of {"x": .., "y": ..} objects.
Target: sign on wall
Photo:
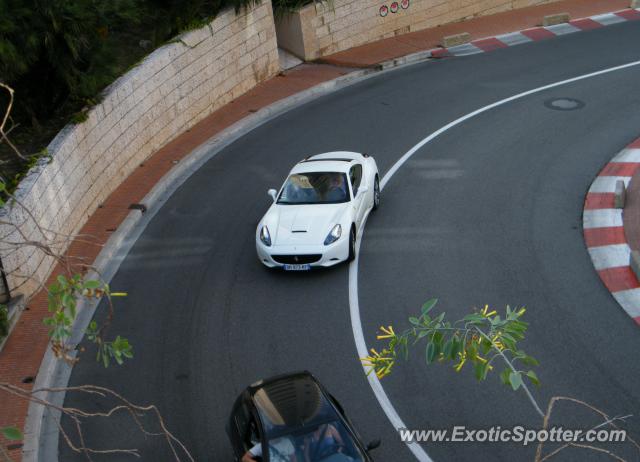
[{"x": 394, "y": 7}]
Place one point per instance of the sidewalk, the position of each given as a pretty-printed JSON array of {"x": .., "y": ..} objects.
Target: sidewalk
[{"x": 21, "y": 357}]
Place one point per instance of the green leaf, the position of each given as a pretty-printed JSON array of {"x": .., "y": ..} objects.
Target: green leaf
[
  {"x": 485, "y": 346},
  {"x": 92, "y": 284},
  {"x": 474, "y": 318},
  {"x": 428, "y": 305},
  {"x": 534, "y": 378},
  {"x": 515, "y": 380},
  {"x": 508, "y": 343},
  {"x": 430, "y": 352},
  {"x": 530, "y": 361},
  {"x": 504, "y": 376},
  {"x": 11, "y": 433},
  {"x": 456, "y": 347},
  {"x": 481, "y": 370},
  {"x": 472, "y": 351},
  {"x": 448, "y": 347},
  {"x": 68, "y": 301},
  {"x": 413, "y": 320}
]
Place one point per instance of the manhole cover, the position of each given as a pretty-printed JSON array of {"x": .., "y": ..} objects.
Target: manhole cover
[{"x": 564, "y": 104}]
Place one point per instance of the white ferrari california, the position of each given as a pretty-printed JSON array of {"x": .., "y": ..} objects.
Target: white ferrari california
[{"x": 315, "y": 217}]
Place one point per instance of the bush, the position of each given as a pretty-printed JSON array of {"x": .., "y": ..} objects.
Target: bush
[{"x": 283, "y": 7}]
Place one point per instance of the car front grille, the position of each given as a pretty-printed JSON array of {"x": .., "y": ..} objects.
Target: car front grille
[{"x": 296, "y": 259}]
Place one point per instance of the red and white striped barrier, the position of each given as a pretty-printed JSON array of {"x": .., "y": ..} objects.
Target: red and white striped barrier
[
  {"x": 537, "y": 33},
  {"x": 603, "y": 228}
]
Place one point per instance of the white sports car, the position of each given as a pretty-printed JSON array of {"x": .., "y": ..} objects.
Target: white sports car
[{"x": 315, "y": 217}]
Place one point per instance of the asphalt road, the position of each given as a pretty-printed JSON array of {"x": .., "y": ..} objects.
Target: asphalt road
[{"x": 490, "y": 212}]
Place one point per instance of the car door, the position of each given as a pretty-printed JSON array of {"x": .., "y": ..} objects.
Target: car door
[
  {"x": 359, "y": 200},
  {"x": 245, "y": 429}
]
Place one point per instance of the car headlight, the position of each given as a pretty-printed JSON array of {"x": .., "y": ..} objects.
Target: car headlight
[
  {"x": 334, "y": 235},
  {"x": 265, "y": 237}
]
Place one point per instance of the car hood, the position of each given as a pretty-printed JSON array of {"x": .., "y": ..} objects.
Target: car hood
[{"x": 306, "y": 224}]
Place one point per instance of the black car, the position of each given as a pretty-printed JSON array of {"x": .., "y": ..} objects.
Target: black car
[{"x": 292, "y": 418}]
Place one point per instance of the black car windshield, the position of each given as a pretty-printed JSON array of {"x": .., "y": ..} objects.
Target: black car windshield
[
  {"x": 315, "y": 188},
  {"x": 327, "y": 442}
]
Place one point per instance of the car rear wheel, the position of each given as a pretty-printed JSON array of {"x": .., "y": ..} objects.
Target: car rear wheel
[
  {"x": 352, "y": 244},
  {"x": 376, "y": 193}
]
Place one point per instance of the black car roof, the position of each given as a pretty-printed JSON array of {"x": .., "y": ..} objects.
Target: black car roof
[{"x": 289, "y": 402}]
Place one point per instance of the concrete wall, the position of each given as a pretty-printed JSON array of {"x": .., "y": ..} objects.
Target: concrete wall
[
  {"x": 171, "y": 90},
  {"x": 324, "y": 28}
]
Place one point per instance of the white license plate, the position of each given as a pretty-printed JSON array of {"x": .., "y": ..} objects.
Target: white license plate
[{"x": 297, "y": 267}]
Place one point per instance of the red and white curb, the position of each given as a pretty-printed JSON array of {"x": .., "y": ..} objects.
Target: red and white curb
[
  {"x": 537, "y": 33},
  {"x": 603, "y": 229}
]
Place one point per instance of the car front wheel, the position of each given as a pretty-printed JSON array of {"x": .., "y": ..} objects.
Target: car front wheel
[
  {"x": 376, "y": 193},
  {"x": 352, "y": 245}
]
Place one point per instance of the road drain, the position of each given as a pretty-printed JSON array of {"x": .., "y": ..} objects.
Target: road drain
[{"x": 564, "y": 104}]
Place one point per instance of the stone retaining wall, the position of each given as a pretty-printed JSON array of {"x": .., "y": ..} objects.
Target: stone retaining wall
[{"x": 174, "y": 87}]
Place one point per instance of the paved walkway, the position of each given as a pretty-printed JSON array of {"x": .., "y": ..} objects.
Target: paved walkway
[{"x": 20, "y": 359}]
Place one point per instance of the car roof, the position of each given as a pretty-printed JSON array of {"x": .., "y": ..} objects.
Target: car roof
[
  {"x": 336, "y": 161},
  {"x": 289, "y": 402}
]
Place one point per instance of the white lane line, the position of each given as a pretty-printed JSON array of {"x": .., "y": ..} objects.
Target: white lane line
[
  {"x": 354, "y": 306},
  {"x": 361, "y": 345},
  {"x": 464, "y": 118}
]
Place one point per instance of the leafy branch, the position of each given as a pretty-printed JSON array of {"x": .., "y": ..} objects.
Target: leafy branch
[
  {"x": 63, "y": 296},
  {"x": 483, "y": 339},
  {"x": 478, "y": 339}
]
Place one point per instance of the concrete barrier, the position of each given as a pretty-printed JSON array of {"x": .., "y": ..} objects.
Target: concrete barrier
[
  {"x": 634, "y": 262},
  {"x": 553, "y": 19},
  {"x": 457, "y": 39},
  {"x": 620, "y": 195}
]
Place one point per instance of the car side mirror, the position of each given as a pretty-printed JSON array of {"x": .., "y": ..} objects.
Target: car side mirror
[
  {"x": 363, "y": 189},
  {"x": 273, "y": 193},
  {"x": 374, "y": 444}
]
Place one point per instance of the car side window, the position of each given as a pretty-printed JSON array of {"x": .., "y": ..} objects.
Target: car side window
[{"x": 355, "y": 176}]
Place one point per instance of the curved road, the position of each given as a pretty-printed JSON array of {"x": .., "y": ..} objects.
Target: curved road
[{"x": 489, "y": 212}]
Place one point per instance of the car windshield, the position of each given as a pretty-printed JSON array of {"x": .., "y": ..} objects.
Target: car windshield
[
  {"x": 315, "y": 188},
  {"x": 327, "y": 442}
]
